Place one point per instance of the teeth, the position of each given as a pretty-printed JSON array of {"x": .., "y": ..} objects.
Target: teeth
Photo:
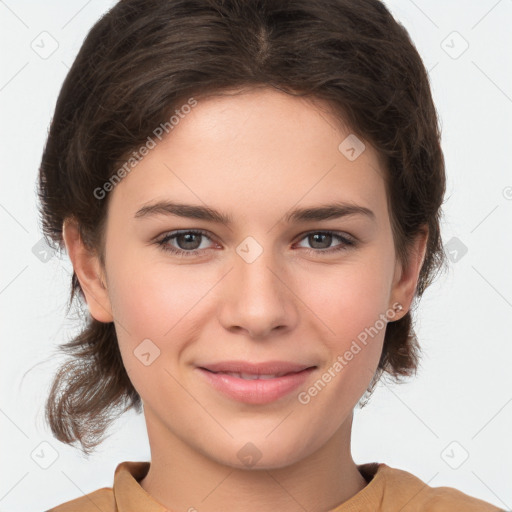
[
  {"x": 252, "y": 376},
  {"x": 249, "y": 376}
]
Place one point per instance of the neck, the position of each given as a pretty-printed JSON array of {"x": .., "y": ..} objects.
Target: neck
[{"x": 181, "y": 478}]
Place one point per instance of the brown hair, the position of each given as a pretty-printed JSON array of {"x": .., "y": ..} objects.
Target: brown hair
[{"x": 138, "y": 64}]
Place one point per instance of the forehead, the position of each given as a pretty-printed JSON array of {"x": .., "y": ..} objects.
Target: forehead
[{"x": 256, "y": 151}]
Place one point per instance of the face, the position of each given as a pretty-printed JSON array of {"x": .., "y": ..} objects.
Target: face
[{"x": 255, "y": 279}]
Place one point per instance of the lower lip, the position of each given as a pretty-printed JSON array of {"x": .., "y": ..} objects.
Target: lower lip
[{"x": 258, "y": 391}]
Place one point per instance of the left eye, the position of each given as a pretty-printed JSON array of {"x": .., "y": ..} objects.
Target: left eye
[{"x": 326, "y": 237}]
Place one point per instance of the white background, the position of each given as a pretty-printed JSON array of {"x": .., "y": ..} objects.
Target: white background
[{"x": 463, "y": 392}]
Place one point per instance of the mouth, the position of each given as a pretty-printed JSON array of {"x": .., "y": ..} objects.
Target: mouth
[
  {"x": 251, "y": 376},
  {"x": 255, "y": 383}
]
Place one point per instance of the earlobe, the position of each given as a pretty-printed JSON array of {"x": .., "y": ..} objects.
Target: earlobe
[
  {"x": 406, "y": 276},
  {"x": 89, "y": 271}
]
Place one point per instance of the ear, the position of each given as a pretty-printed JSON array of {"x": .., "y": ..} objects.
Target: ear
[
  {"x": 406, "y": 276},
  {"x": 89, "y": 271}
]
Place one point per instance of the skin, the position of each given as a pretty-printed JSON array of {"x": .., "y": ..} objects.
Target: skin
[{"x": 254, "y": 156}]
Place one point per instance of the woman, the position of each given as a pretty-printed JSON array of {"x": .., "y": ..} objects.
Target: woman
[{"x": 250, "y": 194}]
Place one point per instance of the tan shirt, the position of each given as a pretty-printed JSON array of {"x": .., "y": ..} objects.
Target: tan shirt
[{"x": 388, "y": 490}]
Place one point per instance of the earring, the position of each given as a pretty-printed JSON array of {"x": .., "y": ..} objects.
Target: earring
[{"x": 397, "y": 307}]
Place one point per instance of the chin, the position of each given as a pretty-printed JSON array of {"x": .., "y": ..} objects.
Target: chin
[{"x": 263, "y": 454}]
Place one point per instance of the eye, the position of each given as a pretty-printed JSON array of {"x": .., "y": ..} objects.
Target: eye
[
  {"x": 188, "y": 242},
  {"x": 321, "y": 241}
]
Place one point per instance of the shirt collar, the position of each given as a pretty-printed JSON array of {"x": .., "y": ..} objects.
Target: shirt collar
[
  {"x": 128, "y": 493},
  {"x": 131, "y": 497}
]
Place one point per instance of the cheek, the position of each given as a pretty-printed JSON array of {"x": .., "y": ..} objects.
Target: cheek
[
  {"x": 151, "y": 299},
  {"x": 349, "y": 298},
  {"x": 151, "y": 304},
  {"x": 161, "y": 303},
  {"x": 353, "y": 308}
]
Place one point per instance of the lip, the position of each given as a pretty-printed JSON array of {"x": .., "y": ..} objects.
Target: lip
[{"x": 257, "y": 391}]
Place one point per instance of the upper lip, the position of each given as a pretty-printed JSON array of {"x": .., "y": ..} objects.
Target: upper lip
[{"x": 263, "y": 368}]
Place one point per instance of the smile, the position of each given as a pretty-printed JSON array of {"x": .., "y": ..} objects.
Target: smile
[
  {"x": 251, "y": 376},
  {"x": 255, "y": 385}
]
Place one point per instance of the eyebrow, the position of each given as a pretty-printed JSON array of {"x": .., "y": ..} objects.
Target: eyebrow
[{"x": 317, "y": 213}]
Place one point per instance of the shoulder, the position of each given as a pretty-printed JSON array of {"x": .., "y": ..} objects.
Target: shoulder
[
  {"x": 419, "y": 496},
  {"x": 125, "y": 492},
  {"x": 101, "y": 499}
]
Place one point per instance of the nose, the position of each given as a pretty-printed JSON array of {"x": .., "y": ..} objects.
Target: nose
[{"x": 257, "y": 298}]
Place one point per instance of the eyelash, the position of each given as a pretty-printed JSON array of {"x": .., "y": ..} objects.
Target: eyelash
[{"x": 346, "y": 244}]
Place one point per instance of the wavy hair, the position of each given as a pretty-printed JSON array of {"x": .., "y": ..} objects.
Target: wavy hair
[{"x": 136, "y": 66}]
